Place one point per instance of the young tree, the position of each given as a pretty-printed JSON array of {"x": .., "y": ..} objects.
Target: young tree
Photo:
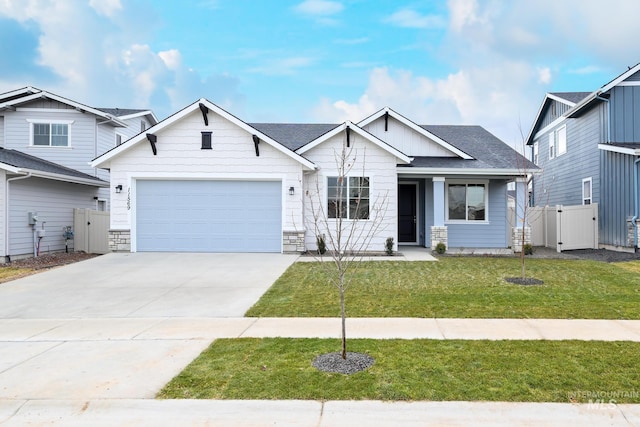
[{"x": 348, "y": 223}]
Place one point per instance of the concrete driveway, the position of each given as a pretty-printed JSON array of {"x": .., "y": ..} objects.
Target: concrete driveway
[
  {"x": 135, "y": 285},
  {"x": 113, "y": 326}
]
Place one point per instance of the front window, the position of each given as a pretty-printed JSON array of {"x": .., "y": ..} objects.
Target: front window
[
  {"x": 50, "y": 134},
  {"x": 467, "y": 202},
  {"x": 348, "y": 197}
]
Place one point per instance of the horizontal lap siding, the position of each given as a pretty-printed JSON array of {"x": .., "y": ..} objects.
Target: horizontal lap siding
[
  {"x": 54, "y": 201},
  {"x": 179, "y": 156},
  {"x": 368, "y": 160},
  {"x": 484, "y": 235}
]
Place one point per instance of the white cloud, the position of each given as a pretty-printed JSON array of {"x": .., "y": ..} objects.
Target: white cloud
[
  {"x": 319, "y": 7},
  {"x": 409, "y": 18},
  {"x": 282, "y": 66},
  {"x": 171, "y": 58},
  {"x": 544, "y": 75},
  {"x": 106, "y": 7},
  {"x": 494, "y": 97},
  {"x": 589, "y": 69}
]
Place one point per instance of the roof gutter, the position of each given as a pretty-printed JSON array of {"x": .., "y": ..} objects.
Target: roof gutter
[
  {"x": 6, "y": 214},
  {"x": 65, "y": 178}
]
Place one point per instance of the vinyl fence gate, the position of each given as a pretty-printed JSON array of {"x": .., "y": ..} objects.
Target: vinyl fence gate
[
  {"x": 91, "y": 231},
  {"x": 564, "y": 228}
]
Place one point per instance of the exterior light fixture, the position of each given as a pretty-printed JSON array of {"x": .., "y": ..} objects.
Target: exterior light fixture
[
  {"x": 118, "y": 188},
  {"x": 292, "y": 191}
]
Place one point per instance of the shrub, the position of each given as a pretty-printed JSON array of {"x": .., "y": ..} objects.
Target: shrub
[
  {"x": 528, "y": 249},
  {"x": 388, "y": 246},
  {"x": 322, "y": 246},
  {"x": 441, "y": 248}
]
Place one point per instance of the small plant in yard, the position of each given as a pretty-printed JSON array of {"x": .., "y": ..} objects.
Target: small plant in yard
[
  {"x": 527, "y": 249},
  {"x": 322, "y": 246},
  {"x": 441, "y": 248},
  {"x": 388, "y": 246}
]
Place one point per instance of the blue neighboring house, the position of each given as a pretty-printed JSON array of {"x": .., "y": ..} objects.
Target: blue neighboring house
[{"x": 588, "y": 147}]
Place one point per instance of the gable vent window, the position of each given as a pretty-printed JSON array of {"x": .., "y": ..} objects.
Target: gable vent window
[
  {"x": 118, "y": 139},
  {"x": 143, "y": 126},
  {"x": 206, "y": 140}
]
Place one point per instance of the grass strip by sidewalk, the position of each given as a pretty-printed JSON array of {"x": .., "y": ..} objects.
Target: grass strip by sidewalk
[
  {"x": 465, "y": 287},
  {"x": 11, "y": 273},
  {"x": 516, "y": 371}
]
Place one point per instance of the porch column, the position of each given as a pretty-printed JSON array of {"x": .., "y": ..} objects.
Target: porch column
[
  {"x": 438, "y": 230},
  {"x": 522, "y": 203}
]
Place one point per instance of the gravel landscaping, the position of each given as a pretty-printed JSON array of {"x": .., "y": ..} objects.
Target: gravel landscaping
[
  {"x": 333, "y": 362},
  {"x": 51, "y": 260}
]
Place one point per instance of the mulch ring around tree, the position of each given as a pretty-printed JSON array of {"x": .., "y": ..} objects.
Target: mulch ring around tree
[
  {"x": 524, "y": 281},
  {"x": 333, "y": 362}
]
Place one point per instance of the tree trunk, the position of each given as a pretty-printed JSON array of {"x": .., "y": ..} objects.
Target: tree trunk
[{"x": 344, "y": 321}]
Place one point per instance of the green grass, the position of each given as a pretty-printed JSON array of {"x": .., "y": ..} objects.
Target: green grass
[
  {"x": 461, "y": 287},
  {"x": 523, "y": 371}
]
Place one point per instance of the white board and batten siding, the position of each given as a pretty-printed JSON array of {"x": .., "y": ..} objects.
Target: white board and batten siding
[
  {"x": 370, "y": 161},
  {"x": 405, "y": 139},
  {"x": 54, "y": 201},
  {"x": 180, "y": 158}
]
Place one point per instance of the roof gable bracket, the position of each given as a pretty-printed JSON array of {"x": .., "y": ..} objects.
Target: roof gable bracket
[
  {"x": 205, "y": 110},
  {"x": 256, "y": 141},
  {"x": 348, "y": 134},
  {"x": 152, "y": 140},
  {"x": 386, "y": 121}
]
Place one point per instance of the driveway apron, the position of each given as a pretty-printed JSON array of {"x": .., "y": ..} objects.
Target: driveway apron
[{"x": 78, "y": 331}]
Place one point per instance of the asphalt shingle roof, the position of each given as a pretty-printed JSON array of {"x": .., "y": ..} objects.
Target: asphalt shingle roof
[
  {"x": 488, "y": 151},
  {"x": 119, "y": 112},
  {"x": 574, "y": 97},
  {"x": 22, "y": 160},
  {"x": 293, "y": 135}
]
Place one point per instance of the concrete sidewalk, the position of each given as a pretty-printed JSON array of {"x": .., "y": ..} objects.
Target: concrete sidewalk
[{"x": 127, "y": 412}]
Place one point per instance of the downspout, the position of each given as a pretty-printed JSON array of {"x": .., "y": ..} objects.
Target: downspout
[
  {"x": 635, "y": 203},
  {"x": 6, "y": 216}
]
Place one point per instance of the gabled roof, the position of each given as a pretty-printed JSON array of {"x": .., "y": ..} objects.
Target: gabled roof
[
  {"x": 363, "y": 133},
  {"x": 10, "y": 100},
  {"x": 567, "y": 98},
  {"x": 18, "y": 162},
  {"x": 130, "y": 113},
  {"x": 294, "y": 135},
  {"x": 595, "y": 95},
  {"x": 490, "y": 154},
  {"x": 100, "y": 161},
  {"x": 415, "y": 127}
]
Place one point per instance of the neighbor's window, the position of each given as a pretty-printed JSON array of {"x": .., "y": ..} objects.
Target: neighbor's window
[
  {"x": 586, "y": 191},
  {"x": 348, "y": 197},
  {"x": 552, "y": 147},
  {"x": 467, "y": 202},
  {"x": 535, "y": 153},
  {"x": 561, "y": 140},
  {"x": 50, "y": 134}
]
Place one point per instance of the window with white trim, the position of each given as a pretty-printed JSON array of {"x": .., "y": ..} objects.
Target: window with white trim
[
  {"x": 143, "y": 126},
  {"x": 535, "y": 153},
  {"x": 587, "y": 191},
  {"x": 118, "y": 139},
  {"x": 467, "y": 201},
  {"x": 50, "y": 134},
  {"x": 348, "y": 197},
  {"x": 561, "y": 141},
  {"x": 552, "y": 145}
]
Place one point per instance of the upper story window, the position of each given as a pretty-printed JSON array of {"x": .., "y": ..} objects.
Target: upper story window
[
  {"x": 348, "y": 197},
  {"x": 50, "y": 134},
  {"x": 535, "y": 153},
  {"x": 118, "y": 139},
  {"x": 467, "y": 201},
  {"x": 552, "y": 145},
  {"x": 561, "y": 141},
  {"x": 143, "y": 126}
]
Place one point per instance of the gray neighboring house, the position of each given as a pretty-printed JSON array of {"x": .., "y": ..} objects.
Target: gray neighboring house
[
  {"x": 46, "y": 144},
  {"x": 588, "y": 147},
  {"x": 203, "y": 180}
]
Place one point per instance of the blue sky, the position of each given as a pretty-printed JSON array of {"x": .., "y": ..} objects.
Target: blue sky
[{"x": 485, "y": 62}]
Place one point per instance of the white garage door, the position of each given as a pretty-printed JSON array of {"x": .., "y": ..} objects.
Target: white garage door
[{"x": 209, "y": 216}]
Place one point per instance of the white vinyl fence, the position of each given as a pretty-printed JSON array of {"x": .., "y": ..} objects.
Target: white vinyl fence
[
  {"x": 91, "y": 231},
  {"x": 564, "y": 228}
]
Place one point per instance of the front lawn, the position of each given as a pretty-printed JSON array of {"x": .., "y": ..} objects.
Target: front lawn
[
  {"x": 522, "y": 371},
  {"x": 461, "y": 287}
]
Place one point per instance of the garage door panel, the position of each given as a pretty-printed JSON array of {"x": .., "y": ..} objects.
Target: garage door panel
[{"x": 209, "y": 216}]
